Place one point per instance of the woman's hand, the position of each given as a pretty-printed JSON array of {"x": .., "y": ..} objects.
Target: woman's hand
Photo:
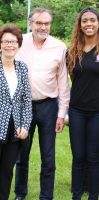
[{"x": 22, "y": 133}]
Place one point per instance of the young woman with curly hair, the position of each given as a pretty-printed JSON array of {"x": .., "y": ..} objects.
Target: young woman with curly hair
[{"x": 83, "y": 66}]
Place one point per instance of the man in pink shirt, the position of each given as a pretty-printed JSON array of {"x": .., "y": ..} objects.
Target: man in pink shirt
[{"x": 45, "y": 58}]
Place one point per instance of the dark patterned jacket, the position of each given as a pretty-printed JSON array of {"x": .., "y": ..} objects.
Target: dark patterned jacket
[{"x": 20, "y": 105}]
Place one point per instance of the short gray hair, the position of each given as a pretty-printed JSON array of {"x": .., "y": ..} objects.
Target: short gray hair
[{"x": 40, "y": 10}]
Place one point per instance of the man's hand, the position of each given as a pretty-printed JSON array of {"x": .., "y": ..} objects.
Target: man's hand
[
  {"x": 22, "y": 133},
  {"x": 59, "y": 124}
]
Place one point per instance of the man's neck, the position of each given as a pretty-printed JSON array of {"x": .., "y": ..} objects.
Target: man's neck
[{"x": 38, "y": 43}]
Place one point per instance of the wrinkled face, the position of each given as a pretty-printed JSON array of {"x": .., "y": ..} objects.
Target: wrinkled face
[
  {"x": 9, "y": 45},
  {"x": 89, "y": 24},
  {"x": 40, "y": 25}
]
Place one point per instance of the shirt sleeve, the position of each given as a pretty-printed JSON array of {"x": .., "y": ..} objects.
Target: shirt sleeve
[{"x": 63, "y": 86}]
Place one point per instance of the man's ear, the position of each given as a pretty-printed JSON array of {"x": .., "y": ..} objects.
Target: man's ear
[{"x": 30, "y": 25}]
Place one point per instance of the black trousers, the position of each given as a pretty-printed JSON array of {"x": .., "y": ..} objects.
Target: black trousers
[
  {"x": 45, "y": 115},
  {"x": 84, "y": 138},
  {"x": 8, "y": 156}
]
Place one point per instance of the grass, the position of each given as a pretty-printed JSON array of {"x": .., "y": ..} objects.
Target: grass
[{"x": 63, "y": 170}]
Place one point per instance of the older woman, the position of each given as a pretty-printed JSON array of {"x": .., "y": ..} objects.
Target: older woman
[{"x": 15, "y": 104}]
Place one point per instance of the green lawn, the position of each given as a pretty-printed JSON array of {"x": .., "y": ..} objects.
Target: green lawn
[{"x": 63, "y": 169}]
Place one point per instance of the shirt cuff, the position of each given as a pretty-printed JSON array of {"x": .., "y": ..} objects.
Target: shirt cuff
[{"x": 62, "y": 112}]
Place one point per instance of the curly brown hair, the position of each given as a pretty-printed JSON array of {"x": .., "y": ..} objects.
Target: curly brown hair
[
  {"x": 11, "y": 28},
  {"x": 75, "y": 50}
]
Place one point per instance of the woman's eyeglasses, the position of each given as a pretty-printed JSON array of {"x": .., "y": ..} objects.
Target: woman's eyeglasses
[{"x": 7, "y": 42}]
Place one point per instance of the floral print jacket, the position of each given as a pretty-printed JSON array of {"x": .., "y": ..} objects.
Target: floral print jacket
[{"x": 20, "y": 106}]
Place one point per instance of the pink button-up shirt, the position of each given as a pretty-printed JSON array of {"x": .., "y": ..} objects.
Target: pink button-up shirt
[{"x": 47, "y": 70}]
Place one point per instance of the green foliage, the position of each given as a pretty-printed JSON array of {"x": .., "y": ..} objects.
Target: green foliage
[
  {"x": 10, "y": 1},
  {"x": 6, "y": 1},
  {"x": 11, "y": 10},
  {"x": 64, "y": 13},
  {"x": 22, "y": 24},
  {"x": 1, "y": 22},
  {"x": 71, "y": 13}
]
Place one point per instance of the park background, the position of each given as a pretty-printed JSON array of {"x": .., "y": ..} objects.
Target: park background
[{"x": 64, "y": 15}]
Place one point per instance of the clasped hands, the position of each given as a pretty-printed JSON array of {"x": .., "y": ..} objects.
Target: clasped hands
[{"x": 22, "y": 133}]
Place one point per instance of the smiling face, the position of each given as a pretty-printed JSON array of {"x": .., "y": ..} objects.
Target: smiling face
[
  {"x": 40, "y": 25},
  {"x": 89, "y": 24},
  {"x": 9, "y": 45}
]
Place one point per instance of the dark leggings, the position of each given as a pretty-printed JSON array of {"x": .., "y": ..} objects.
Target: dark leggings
[
  {"x": 84, "y": 138},
  {"x": 8, "y": 156}
]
